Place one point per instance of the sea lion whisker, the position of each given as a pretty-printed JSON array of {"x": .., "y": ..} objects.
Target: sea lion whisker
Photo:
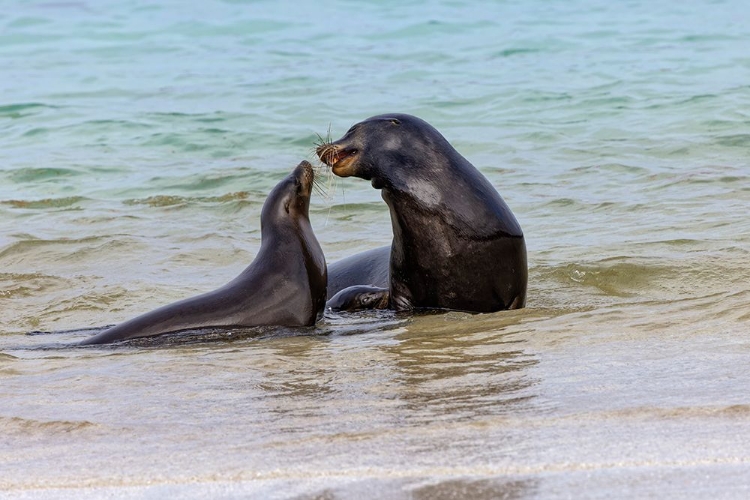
[
  {"x": 327, "y": 141},
  {"x": 322, "y": 171},
  {"x": 319, "y": 142},
  {"x": 321, "y": 189},
  {"x": 325, "y": 150}
]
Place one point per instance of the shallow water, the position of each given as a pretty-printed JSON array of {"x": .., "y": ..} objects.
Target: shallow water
[{"x": 138, "y": 143}]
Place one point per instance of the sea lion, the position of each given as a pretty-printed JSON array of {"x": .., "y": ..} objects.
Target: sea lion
[
  {"x": 285, "y": 284},
  {"x": 456, "y": 244}
]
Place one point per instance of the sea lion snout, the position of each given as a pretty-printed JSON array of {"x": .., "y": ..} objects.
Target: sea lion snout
[
  {"x": 340, "y": 158},
  {"x": 305, "y": 174}
]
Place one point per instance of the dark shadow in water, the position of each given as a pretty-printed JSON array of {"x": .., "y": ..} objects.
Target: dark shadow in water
[
  {"x": 333, "y": 324},
  {"x": 305, "y": 377},
  {"x": 460, "y": 366},
  {"x": 175, "y": 339},
  {"x": 410, "y": 373},
  {"x": 69, "y": 339},
  {"x": 476, "y": 489},
  {"x": 448, "y": 489},
  {"x": 79, "y": 331}
]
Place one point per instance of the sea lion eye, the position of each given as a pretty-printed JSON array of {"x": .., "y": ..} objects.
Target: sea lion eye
[{"x": 395, "y": 121}]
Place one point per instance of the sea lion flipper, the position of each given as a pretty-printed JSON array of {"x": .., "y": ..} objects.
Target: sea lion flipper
[{"x": 359, "y": 297}]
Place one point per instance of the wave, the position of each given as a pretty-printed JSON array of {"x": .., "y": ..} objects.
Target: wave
[
  {"x": 26, "y": 426},
  {"x": 22, "y": 110},
  {"x": 65, "y": 202},
  {"x": 36, "y": 174},
  {"x": 29, "y": 242},
  {"x": 172, "y": 200},
  {"x": 723, "y": 282},
  {"x": 19, "y": 285}
]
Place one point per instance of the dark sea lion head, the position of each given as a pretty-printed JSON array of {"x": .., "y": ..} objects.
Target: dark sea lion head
[
  {"x": 290, "y": 197},
  {"x": 419, "y": 171},
  {"x": 387, "y": 149}
]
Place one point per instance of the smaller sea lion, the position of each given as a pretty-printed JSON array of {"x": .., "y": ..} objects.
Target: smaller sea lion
[{"x": 285, "y": 285}]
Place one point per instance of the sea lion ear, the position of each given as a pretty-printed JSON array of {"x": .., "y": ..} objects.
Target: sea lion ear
[
  {"x": 395, "y": 121},
  {"x": 286, "y": 207}
]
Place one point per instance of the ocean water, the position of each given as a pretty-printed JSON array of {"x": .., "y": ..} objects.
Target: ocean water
[{"x": 138, "y": 141}]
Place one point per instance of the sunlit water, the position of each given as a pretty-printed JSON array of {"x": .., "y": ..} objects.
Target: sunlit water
[{"x": 138, "y": 141}]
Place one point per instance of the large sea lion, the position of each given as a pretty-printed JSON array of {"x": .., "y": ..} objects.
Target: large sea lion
[
  {"x": 456, "y": 244},
  {"x": 285, "y": 285}
]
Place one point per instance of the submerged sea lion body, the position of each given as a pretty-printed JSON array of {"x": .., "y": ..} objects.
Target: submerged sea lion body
[
  {"x": 371, "y": 267},
  {"x": 456, "y": 244},
  {"x": 285, "y": 284}
]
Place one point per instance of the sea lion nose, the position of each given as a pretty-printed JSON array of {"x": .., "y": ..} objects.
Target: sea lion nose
[
  {"x": 326, "y": 153},
  {"x": 305, "y": 169}
]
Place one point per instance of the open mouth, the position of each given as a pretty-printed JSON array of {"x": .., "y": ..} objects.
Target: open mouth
[{"x": 333, "y": 155}]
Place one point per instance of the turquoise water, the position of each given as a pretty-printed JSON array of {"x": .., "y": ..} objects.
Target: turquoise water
[{"x": 138, "y": 141}]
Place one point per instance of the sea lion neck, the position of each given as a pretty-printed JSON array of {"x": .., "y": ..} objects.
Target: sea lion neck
[{"x": 286, "y": 205}]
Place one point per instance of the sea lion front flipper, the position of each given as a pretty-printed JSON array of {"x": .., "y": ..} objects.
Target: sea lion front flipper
[{"x": 358, "y": 297}]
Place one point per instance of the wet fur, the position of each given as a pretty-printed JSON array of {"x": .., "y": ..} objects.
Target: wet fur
[
  {"x": 456, "y": 245},
  {"x": 285, "y": 285}
]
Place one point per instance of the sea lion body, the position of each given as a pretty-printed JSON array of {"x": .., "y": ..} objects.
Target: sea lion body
[
  {"x": 456, "y": 244},
  {"x": 285, "y": 284},
  {"x": 371, "y": 267}
]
